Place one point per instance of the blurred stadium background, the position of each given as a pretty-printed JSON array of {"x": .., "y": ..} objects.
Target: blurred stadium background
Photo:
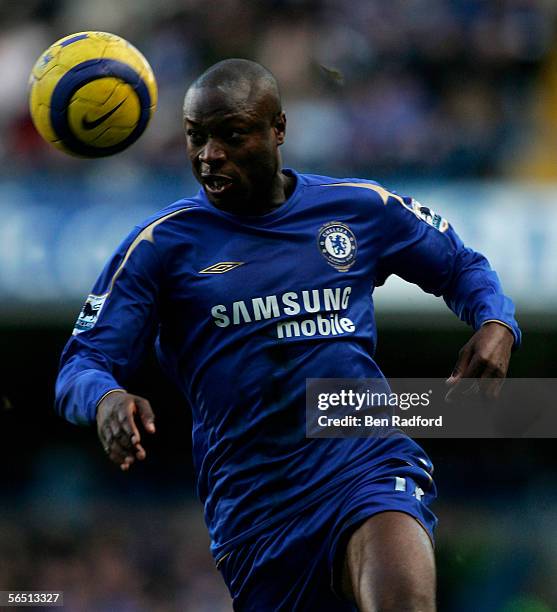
[{"x": 451, "y": 101}]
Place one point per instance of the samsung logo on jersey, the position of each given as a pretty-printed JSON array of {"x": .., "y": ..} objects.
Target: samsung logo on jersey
[{"x": 290, "y": 304}]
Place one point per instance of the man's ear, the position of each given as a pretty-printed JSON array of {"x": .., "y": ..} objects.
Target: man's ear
[{"x": 280, "y": 127}]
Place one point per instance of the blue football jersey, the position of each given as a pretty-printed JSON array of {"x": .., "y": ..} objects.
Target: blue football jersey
[{"x": 245, "y": 309}]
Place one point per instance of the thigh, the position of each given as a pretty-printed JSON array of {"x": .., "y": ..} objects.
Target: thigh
[
  {"x": 395, "y": 496},
  {"x": 297, "y": 565},
  {"x": 285, "y": 569},
  {"x": 389, "y": 565}
]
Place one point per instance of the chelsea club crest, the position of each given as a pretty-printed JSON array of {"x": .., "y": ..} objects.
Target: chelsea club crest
[{"x": 337, "y": 244}]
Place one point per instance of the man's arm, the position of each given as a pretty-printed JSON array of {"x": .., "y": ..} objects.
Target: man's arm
[
  {"x": 434, "y": 257},
  {"x": 108, "y": 343}
]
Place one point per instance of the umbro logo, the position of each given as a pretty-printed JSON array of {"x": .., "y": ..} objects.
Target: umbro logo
[{"x": 221, "y": 267}]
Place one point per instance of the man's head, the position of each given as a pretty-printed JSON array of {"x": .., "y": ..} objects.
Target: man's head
[{"x": 234, "y": 125}]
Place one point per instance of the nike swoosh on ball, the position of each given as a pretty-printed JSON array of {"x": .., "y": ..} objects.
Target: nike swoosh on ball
[{"x": 91, "y": 125}]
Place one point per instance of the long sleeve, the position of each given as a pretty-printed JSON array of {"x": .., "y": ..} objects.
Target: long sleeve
[
  {"x": 117, "y": 320},
  {"x": 422, "y": 248}
]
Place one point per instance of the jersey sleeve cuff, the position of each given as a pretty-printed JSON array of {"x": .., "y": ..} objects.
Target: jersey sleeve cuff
[{"x": 78, "y": 397}]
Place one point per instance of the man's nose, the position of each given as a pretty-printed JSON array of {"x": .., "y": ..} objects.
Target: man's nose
[{"x": 212, "y": 152}]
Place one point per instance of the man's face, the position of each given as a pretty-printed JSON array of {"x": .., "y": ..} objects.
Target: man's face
[{"x": 232, "y": 142}]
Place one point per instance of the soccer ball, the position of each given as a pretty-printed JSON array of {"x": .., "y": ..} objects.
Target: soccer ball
[{"x": 92, "y": 94}]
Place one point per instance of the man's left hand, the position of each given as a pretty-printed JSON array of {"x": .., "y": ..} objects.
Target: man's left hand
[{"x": 485, "y": 356}]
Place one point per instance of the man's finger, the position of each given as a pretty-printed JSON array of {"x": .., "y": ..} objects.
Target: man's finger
[
  {"x": 479, "y": 378},
  {"x": 495, "y": 387},
  {"x": 121, "y": 446},
  {"x": 130, "y": 425},
  {"x": 131, "y": 444},
  {"x": 124, "y": 445},
  {"x": 459, "y": 370},
  {"x": 140, "y": 452},
  {"x": 119, "y": 442},
  {"x": 124, "y": 455},
  {"x": 463, "y": 387},
  {"x": 491, "y": 383},
  {"x": 128, "y": 461},
  {"x": 124, "y": 431},
  {"x": 125, "y": 441},
  {"x": 117, "y": 454},
  {"x": 125, "y": 418},
  {"x": 146, "y": 414},
  {"x": 114, "y": 428},
  {"x": 105, "y": 434}
]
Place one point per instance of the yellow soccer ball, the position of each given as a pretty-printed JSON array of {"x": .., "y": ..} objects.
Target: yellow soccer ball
[{"x": 92, "y": 94}]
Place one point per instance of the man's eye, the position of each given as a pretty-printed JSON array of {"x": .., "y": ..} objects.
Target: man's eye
[
  {"x": 234, "y": 135},
  {"x": 195, "y": 136}
]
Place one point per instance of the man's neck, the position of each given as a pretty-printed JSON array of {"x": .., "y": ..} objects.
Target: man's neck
[
  {"x": 262, "y": 204},
  {"x": 283, "y": 187}
]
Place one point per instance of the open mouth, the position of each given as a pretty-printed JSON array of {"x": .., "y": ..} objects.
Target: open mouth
[{"x": 216, "y": 184}]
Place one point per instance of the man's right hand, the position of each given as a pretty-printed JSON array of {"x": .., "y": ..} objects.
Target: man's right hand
[{"x": 117, "y": 427}]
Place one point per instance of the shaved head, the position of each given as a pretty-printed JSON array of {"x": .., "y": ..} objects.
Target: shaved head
[
  {"x": 247, "y": 83},
  {"x": 234, "y": 127}
]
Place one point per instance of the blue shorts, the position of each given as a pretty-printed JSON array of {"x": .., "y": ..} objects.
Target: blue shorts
[{"x": 297, "y": 565}]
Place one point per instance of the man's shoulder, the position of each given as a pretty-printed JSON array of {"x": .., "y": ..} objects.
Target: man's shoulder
[
  {"x": 320, "y": 180},
  {"x": 151, "y": 229},
  {"x": 357, "y": 189},
  {"x": 177, "y": 209}
]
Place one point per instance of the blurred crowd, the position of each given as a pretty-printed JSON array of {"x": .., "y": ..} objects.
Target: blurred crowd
[
  {"x": 424, "y": 88},
  {"x": 115, "y": 559}
]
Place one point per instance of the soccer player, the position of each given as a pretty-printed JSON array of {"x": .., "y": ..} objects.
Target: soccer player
[{"x": 260, "y": 281}]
